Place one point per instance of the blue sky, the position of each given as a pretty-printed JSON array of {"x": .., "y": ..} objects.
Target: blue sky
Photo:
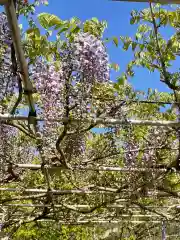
[{"x": 117, "y": 15}]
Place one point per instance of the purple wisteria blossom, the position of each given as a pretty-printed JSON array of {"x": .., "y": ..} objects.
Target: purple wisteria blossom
[
  {"x": 7, "y": 133},
  {"x": 89, "y": 58},
  {"x": 5, "y": 33},
  {"x": 7, "y": 82},
  {"x": 50, "y": 84},
  {"x": 83, "y": 63}
]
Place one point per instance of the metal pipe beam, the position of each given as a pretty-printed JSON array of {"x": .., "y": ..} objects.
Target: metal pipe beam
[
  {"x": 78, "y": 206},
  {"x": 104, "y": 121},
  {"x": 93, "y": 168},
  {"x": 97, "y": 190}
]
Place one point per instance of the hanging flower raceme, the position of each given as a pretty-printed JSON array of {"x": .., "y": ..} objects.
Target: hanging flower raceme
[
  {"x": 7, "y": 82},
  {"x": 50, "y": 84},
  {"x": 7, "y": 147},
  {"x": 85, "y": 62},
  {"x": 89, "y": 58},
  {"x": 5, "y": 33}
]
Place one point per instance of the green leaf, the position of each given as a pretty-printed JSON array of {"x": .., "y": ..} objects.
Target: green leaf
[
  {"x": 143, "y": 28},
  {"x": 48, "y": 20},
  {"x": 94, "y": 27},
  {"x": 95, "y": 20},
  {"x": 63, "y": 30},
  {"x": 48, "y": 33},
  {"x": 75, "y": 29},
  {"x": 115, "y": 40},
  {"x": 126, "y": 45},
  {"x": 74, "y": 20},
  {"x": 138, "y": 36},
  {"x": 121, "y": 80},
  {"x": 33, "y": 32},
  {"x": 132, "y": 20},
  {"x": 134, "y": 45}
]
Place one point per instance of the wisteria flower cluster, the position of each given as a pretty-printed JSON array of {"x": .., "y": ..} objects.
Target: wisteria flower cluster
[
  {"x": 6, "y": 77},
  {"x": 50, "y": 84},
  {"x": 83, "y": 63},
  {"x": 7, "y": 134},
  {"x": 5, "y": 33},
  {"x": 89, "y": 58}
]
